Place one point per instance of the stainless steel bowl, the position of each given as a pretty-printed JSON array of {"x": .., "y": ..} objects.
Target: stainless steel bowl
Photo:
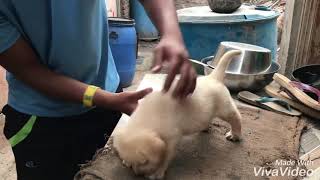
[
  {"x": 249, "y": 82},
  {"x": 253, "y": 59}
]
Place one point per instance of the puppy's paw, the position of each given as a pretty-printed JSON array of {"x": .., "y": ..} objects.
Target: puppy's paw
[
  {"x": 156, "y": 175},
  {"x": 232, "y": 137},
  {"x": 126, "y": 163}
]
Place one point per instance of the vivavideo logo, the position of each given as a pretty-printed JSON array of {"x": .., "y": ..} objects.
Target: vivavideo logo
[{"x": 288, "y": 168}]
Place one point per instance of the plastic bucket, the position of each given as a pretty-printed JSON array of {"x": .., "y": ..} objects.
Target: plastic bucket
[{"x": 123, "y": 44}]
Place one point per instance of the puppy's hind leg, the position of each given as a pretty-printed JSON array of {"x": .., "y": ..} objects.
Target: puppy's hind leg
[
  {"x": 231, "y": 114},
  {"x": 235, "y": 133}
]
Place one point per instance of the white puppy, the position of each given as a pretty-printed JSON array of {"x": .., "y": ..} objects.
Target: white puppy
[{"x": 147, "y": 143}]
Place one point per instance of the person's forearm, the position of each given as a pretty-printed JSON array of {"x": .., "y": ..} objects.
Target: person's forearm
[
  {"x": 21, "y": 61},
  {"x": 61, "y": 87},
  {"x": 163, "y": 15}
]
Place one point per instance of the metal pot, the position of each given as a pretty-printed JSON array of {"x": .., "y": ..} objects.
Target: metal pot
[
  {"x": 253, "y": 59},
  {"x": 250, "y": 82}
]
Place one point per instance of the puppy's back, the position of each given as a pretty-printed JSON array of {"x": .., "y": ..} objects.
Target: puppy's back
[{"x": 161, "y": 112}]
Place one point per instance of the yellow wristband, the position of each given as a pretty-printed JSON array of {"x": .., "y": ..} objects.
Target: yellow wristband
[{"x": 88, "y": 96}]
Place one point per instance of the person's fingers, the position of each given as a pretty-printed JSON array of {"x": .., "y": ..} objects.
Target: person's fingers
[
  {"x": 130, "y": 109},
  {"x": 189, "y": 85},
  {"x": 183, "y": 81},
  {"x": 191, "y": 82},
  {"x": 175, "y": 66},
  {"x": 141, "y": 94},
  {"x": 194, "y": 81},
  {"x": 158, "y": 60}
]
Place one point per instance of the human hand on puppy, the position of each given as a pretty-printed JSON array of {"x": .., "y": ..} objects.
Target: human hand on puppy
[
  {"x": 125, "y": 102},
  {"x": 128, "y": 101},
  {"x": 171, "y": 47},
  {"x": 171, "y": 50}
]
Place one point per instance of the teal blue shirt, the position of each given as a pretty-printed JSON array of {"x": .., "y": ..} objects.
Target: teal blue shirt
[{"x": 70, "y": 37}]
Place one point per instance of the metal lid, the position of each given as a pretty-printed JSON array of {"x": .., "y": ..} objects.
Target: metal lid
[
  {"x": 203, "y": 14},
  {"x": 116, "y": 20}
]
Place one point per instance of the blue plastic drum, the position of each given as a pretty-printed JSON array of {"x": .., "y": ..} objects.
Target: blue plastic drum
[
  {"x": 145, "y": 28},
  {"x": 123, "y": 44},
  {"x": 203, "y": 30}
]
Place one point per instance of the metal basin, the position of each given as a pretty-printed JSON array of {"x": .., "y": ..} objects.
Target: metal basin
[
  {"x": 253, "y": 59},
  {"x": 249, "y": 82}
]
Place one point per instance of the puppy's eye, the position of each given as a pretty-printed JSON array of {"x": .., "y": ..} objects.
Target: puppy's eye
[{"x": 144, "y": 162}]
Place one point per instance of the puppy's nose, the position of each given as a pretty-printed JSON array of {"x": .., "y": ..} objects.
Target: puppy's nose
[{"x": 126, "y": 163}]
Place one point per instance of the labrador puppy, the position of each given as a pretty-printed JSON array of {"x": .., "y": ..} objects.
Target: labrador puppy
[{"x": 147, "y": 143}]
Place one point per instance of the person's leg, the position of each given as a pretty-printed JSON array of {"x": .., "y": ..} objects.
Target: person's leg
[
  {"x": 56, "y": 146},
  {"x": 93, "y": 132},
  {"x": 38, "y": 156}
]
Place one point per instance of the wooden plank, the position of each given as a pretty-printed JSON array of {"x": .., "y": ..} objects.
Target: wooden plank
[
  {"x": 286, "y": 36},
  {"x": 308, "y": 23},
  {"x": 298, "y": 42},
  {"x": 315, "y": 49}
]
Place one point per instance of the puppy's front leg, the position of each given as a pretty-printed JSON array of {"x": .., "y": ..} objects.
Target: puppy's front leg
[{"x": 170, "y": 153}]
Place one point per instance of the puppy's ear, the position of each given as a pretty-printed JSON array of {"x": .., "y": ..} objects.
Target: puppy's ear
[
  {"x": 153, "y": 150},
  {"x": 159, "y": 146},
  {"x": 142, "y": 158}
]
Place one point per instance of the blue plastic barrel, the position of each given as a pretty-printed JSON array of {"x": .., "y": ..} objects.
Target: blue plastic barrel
[
  {"x": 145, "y": 28},
  {"x": 123, "y": 44},
  {"x": 203, "y": 30}
]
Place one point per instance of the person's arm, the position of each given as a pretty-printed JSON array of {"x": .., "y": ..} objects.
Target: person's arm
[
  {"x": 21, "y": 60},
  {"x": 171, "y": 47}
]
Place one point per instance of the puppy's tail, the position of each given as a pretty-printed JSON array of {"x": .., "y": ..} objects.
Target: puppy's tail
[{"x": 219, "y": 72}]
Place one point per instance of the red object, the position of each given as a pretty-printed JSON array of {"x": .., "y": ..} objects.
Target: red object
[{"x": 306, "y": 88}]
